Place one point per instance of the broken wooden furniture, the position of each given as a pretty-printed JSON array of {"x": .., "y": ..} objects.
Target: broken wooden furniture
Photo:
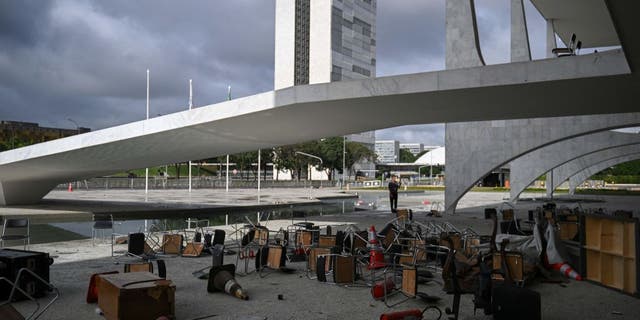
[{"x": 135, "y": 295}]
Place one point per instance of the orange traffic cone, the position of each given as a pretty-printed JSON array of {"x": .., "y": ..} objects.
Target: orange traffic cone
[
  {"x": 566, "y": 269},
  {"x": 70, "y": 189},
  {"x": 376, "y": 256},
  {"x": 373, "y": 237}
]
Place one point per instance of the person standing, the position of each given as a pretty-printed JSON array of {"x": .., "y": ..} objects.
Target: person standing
[{"x": 393, "y": 193}]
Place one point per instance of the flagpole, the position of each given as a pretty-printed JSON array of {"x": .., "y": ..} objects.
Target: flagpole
[
  {"x": 146, "y": 170},
  {"x": 190, "y": 107},
  {"x": 227, "y": 184}
]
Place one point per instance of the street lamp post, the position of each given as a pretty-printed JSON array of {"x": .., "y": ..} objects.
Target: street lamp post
[
  {"x": 190, "y": 107},
  {"x": 420, "y": 167},
  {"x": 146, "y": 170},
  {"x": 76, "y": 124},
  {"x": 311, "y": 156}
]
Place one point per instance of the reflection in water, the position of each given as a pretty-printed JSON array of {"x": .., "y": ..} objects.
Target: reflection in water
[{"x": 177, "y": 222}]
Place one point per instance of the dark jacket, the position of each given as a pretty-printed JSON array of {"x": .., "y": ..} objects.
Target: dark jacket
[{"x": 393, "y": 187}]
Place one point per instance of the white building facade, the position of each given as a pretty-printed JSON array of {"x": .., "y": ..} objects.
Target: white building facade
[
  {"x": 388, "y": 151},
  {"x": 414, "y": 148}
]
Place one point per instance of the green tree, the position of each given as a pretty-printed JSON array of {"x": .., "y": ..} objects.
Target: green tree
[{"x": 406, "y": 156}]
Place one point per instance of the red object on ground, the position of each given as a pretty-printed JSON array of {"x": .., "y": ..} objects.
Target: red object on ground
[
  {"x": 402, "y": 315},
  {"x": 70, "y": 187},
  {"x": 566, "y": 269},
  {"x": 378, "y": 289}
]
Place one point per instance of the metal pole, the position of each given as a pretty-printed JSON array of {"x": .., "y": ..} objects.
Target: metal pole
[
  {"x": 76, "y": 124},
  {"x": 227, "y": 184},
  {"x": 227, "y": 173},
  {"x": 190, "y": 106},
  {"x": 344, "y": 160},
  {"x": 146, "y": 170},
  {"x": 259, "y": 153}
]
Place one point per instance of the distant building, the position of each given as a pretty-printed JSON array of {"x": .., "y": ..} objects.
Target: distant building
[
  {"x": 16, "y": 133},
  {"x": 388, "y": 151},
  {"x": 326, "y": 41},
  {"x": 414, "y": 148}
]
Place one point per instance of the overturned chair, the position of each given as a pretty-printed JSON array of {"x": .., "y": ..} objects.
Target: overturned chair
[{"x": 8, "y": 312}]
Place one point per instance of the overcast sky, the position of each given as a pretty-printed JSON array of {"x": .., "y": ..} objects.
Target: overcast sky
[{"x": 87, "y": 60}]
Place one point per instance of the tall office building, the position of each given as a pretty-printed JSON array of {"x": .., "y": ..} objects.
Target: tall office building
[
  {"x": 388, "y": 151},
  {"x": 414, "y": 148},
  {"x": 323, "y": 41}
]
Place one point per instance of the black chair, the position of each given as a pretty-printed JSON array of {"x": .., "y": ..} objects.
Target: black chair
[{"x": 16, "y": 224}]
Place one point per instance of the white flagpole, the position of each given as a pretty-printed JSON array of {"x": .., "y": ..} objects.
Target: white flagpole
[
  {"x": 190, "y": 107},
  {"x": 227, "y": 184},
  {"x": 259, "y": 175},
  {"x": 146, "y": 170}
]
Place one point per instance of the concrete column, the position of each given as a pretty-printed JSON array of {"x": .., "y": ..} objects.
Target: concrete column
[
  {"x": 526, "y": 169},
  {"x": 285, "y": 39},
  {"x": 519, "y": 35},
  {"x": 565, "y": 171},
  {"x": 551, "y": 38},
  {"x": 476, "y": 148},
  {"x": 462, "y": 42},
  {"x": 580, "y": 177}
]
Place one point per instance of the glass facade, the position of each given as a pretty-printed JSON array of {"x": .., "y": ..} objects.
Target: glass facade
[{"x": 302, "y": 32}]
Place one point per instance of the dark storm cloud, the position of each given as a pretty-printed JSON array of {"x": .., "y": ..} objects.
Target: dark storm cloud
[{"x": 87, "y": 60}]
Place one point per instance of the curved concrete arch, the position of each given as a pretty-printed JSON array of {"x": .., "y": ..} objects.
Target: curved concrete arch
[
  {"x": 561, "y": 173},
  {"x": 476, "y": 148},
  {"x": 580, "y": 177},
  {"x": 526, "y": 169}
]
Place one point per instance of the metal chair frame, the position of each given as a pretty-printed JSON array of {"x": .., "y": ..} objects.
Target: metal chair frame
[{"x": 16, "y": 223}]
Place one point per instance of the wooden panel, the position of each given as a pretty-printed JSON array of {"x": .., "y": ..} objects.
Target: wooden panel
[
  {"x": 303, "y": 238},
  {"x": 403, "y": 214},
  {"x": 261, "y": 237},
  {"x": 515, "y": 263},
  {"x": 612, "y": 233},
  {"x": 630, "y": 240},
  {"x": 138, "y": 267},
  {"x": 275, "y": 257},
  {"x": 313, "y": 255},
  {"x": 630, "y": 276},
  {"x": 326, "y": 241},
  {"x": 612, "y": 271},
  {"x": 568, "y": 230},
  {"x": 592, "y": 232},
  {"x": 593, "y": 265},
  {"x": 344, "y": 271},
  {"x": 193, "y": 249},
  {"x": 507, "y": 214},
  {"x": 409, "y": 281},
  {"x": 172, "y": 243}
]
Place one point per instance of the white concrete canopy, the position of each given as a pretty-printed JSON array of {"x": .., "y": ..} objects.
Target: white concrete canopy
[
  {"x": 580, "y": 177},
  {"x": 588, "y": 19},
  {"x": 435, "y": 157},
  {"x": 526, "y": 169},
  {"x": 560, "y": 174}
]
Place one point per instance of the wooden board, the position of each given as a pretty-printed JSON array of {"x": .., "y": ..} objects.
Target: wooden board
[
  {"x": 326, "y": 241},
  {"x": 138, "y": 267},
  {"x": 344, "y": 270},
  {"x": 515, "y": 263},
  {"x": 275, "y": 257},
  {"x": 304, "y": 238},
  {"x": 261, "y": 237},
  {"x": 137, "y": 295},
  {"x": 313, "y": 256},
  {"x": 172, "y": 243},
  {"x": 403, "y": 214},
  {"x": 568, "y": 230},
  {"x": 409, "y": 281},
  {"x": 193, "y": 249}
]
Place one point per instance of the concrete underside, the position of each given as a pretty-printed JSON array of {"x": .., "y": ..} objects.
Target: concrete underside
[
  {"x": 582, "y": 176},
  {"x": 568, "y": 169},
  {"x": 526, "y": 169}
]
